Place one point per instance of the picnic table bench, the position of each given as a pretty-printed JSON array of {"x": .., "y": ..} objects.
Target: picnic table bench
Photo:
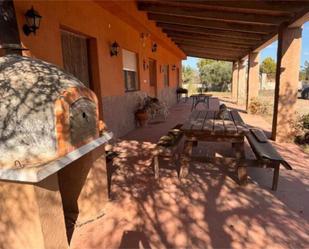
[
  {"x": 267, "y": 156},
  {"x": 167, "y": 147}
]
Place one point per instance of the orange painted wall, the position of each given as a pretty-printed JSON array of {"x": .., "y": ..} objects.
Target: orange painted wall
[{"x": 106, "y": 22}]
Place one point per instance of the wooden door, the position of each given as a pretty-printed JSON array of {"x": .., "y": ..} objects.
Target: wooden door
[
  {"x": 75, "y": 56},
  {"x": 153, "y": 77}
]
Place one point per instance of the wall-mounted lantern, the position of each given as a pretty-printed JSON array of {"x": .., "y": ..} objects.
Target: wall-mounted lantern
[
  {"x": 33, "y": 19},
  {"x": 114, "y": 49},
  {"x": 154, "y": 47},
  {"x": 174, "y": 67}
]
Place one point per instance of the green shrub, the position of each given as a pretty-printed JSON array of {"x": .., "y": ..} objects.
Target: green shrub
[
  {"x": 302, "y": 131},
  {"x": 258, "y": 107},
  {"x": 305, "y": 121}
]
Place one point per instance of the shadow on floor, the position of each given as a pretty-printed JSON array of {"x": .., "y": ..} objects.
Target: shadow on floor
[
  {"x": 134, "y": 239},
  {"x": 205, "y": 210}
]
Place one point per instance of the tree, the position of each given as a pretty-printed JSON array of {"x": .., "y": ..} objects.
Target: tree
[
  {"x": 268, "y": 67},
  {"x": 215, "y": 75},
  {"x": 187, "y": 74},
  {"x": 204, "y": 62},
  {"x": 304, "y": 73},
  {"x": 189, "y": 78}
]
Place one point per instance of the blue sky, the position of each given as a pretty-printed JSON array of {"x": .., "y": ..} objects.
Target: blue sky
[{"x": 271, "y": 50}]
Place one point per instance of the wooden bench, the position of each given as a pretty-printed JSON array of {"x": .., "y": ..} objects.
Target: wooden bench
[
  {"x": 266, "y": 154},
  {"x": 167, "y": 147}
]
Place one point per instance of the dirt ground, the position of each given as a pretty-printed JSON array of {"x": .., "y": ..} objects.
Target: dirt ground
[{"x": 302, "y": 105}]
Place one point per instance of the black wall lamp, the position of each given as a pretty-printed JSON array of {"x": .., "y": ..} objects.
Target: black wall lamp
[
  {"x": 114, "y": 49},
  {"x": 154, "y": 47},
  {"x": 33, "y": 19}
]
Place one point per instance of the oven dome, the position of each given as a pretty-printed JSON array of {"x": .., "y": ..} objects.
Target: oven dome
[{"x": 29, "y": 89}]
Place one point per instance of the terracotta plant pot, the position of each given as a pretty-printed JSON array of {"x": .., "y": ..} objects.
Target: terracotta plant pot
[{"x": 141, "y": 117}]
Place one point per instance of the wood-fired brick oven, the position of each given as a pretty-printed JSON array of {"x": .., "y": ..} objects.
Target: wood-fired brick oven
[
  {"x": 45, "y": 113},
  {"x": 52, "y": 165}
]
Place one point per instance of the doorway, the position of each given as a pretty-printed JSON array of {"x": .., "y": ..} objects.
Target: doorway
[
  {"x": 80, "y": 58},
  {"x": 75, "y": 56},
  {"x": 153, "y": 77}
]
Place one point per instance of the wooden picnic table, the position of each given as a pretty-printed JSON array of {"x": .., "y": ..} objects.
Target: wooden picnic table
[{"x": 207, "y": 126}]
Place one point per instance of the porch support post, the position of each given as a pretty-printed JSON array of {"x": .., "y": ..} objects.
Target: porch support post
[
  {"x": 253, "y": 81},
  {"x": 287, "y": 73},
  {"x": 235, "y": 81},
  {"x": 242, "y": 84}
]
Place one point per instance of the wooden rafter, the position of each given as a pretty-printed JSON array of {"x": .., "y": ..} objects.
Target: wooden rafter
[
  {"x": 258, "y": 29},
  {"x": 274, "y": 8},
  {"x": 225, "y": 29},
  {"x": 232, "y": 17},
  {"x": 254, "y": 7},
  {"x": 208, "y": 31},
  {"x": 213, "y": 46},
  {"x": 211, "y": 51},
  {"x": 210, "y": 56},
  {"x": 202, "y": 40},
  {"x": 211, "y": 39}
]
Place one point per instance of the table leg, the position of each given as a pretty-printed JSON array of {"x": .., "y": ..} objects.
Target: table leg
[
  {"x": 241, "y": 171},
  {"x": 156, "y": 166},
  {"x": 185, "y": 158},
  {"x": 193, "y": 103},
  {"x": 242, "y": 175},
  {"x": 276, "y": 176},
  {"x": 239, "y": 149}
]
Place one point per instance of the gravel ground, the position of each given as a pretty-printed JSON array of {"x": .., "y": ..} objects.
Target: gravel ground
[{"x": 302, "y": 106}]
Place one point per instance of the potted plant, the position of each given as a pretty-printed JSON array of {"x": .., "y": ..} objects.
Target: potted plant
[{"x": 141, "y": 116}]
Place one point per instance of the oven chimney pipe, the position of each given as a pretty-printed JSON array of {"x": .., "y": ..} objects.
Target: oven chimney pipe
[{"x": 9, "y": 35}]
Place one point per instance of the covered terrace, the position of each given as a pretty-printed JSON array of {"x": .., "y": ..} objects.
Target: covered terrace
[
  {"x": 89, "y": 202},
  {"x": 207, "y": 209},
  {"x": 237, "y": 31}
]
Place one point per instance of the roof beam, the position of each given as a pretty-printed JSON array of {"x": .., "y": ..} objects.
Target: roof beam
[
  {"x": 185, "y": 11},
  {"x": 258, "y": 29},
  {"x": 212, "y": 51},
  {"x": 257, "y": 7},
  {"x": 272, "y": 8},
  {"x": 211, "y": 46},
  {"x": 299, "y": 19},
  {"x": 211, "y": 43},
  {"x": 208, "y": 31},
  {"x": 209, "y": 38},
  {"x": 210, "y": 56}
]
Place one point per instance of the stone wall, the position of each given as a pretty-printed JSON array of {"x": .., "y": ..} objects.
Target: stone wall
[{"x": 118, "y": 111}]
